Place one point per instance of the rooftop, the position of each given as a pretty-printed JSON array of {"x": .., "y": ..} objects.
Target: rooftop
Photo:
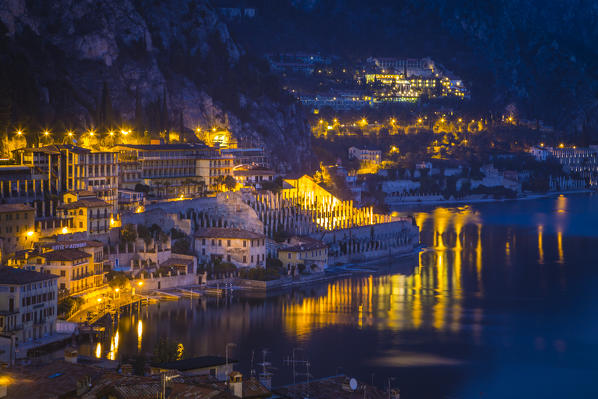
[
  {"x": 10, "y": 275},
  {"x": 220, "y": 232},
  {"x": 65, "y": 255},
  {"x": 330, "y": 387},
  {"x": 4, "y": 208},
  {"x": 194, "y": 363},
  {"x": 305, "y": 245},
  {"x": 163, "y": 147},
  {"x": 59, "y": 245},
  {"x": 253, "y": 172},
  {"x": 85, "y": 203}
]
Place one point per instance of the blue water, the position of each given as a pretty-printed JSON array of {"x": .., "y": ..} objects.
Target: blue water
[{"x": 501, "y": 304}]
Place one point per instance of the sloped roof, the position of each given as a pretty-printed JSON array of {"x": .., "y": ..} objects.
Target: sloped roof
[
  {"x": 221, "y": 232},
  {"x": 11, "y": 275}
]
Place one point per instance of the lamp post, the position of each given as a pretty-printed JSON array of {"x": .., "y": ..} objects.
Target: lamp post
[{"x": 226, "y": 351}]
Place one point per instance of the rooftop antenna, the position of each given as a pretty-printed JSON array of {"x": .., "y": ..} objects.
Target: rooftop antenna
[
  {"x": 265, "y": 376},
  {"x": 252, "y": 372}
]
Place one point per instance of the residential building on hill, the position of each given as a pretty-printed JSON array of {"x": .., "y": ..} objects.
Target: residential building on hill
[
  {"x": 312, "y": 253},
  {"x": 366, "y": 155},
  {"x": 28, "y": 303},
  {"x": 74, "y": 268},
  {"x": 86, "y": 213},
  {"x": 240, "y": 247},
  {"x": 72, "y": 168},
  {"x": 17, "y": 229}
]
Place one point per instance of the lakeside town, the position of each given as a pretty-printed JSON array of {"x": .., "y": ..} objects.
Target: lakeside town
[{"x": 105, "y": 221}]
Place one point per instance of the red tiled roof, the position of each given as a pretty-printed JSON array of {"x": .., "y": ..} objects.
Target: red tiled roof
[
  {"x": 14, "y": 208},
  {"x": 85, "y": 203},
  {"x": 220, "y": 232},
  {"x": 65, "y": 255}
]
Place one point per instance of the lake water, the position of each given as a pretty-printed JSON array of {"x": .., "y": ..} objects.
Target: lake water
[{"x": 502, "y": 304}]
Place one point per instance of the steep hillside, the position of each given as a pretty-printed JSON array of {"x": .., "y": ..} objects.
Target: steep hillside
[
  {"x": 538, "y": 55},
  {"x": 153, "y": 65}
]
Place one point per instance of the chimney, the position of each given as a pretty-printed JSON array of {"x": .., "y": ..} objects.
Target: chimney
[
  {"x": 235, "y": 383},
  {"x": 71, "y": 355}
]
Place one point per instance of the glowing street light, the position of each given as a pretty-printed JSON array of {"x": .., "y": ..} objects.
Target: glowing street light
[
  {"x": 70, "y": 133},
  {"x": 140, "y": 283},
  {"x": 65, "y": 230},
  {"x": 19, "y": 132},
  {"x": 91, "y": 132},
  {"x": 46, "y": 133},
  {"x": 30, "y": 233}
]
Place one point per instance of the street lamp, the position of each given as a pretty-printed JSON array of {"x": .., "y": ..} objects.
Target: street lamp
[{"x": 226, "y": 350}]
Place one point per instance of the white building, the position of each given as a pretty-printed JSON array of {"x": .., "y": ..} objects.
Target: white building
[
  {"x": 540, "y": 153},
  {"x": 28, "y": 302},
  {"x": 364, "y": 154},
  {"x": 243, "y": 248}
]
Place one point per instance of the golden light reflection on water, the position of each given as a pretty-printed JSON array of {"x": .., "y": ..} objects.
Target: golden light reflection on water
[
  {"x": 540, "y": 244},
  {"x": 559, "y": 240},
  {"x": 428, "y": 297},
  {"x": 139, "y": 334}
]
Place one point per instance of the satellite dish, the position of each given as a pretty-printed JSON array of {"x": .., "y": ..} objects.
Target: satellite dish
[{"x": 353, "y": 384}]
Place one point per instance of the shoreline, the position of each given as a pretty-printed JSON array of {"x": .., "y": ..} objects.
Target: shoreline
[{"x": 487, "y": 200}]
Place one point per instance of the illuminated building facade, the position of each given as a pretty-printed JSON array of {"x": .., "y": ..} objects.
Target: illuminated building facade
[
  {"x": 166, "y": 168},
  {"x": 71, "y": 168},
  {"x": 84, "y": 212},
  {"x": 313, "y": 254},
  {"x": 16, "y": 228},
  {"x": 28, "y": 306},
  {"x": 247, "y": 156},
  {"x": 74, "y": 268},
  {"x": 243, "y": 248},
  {"x": 366, "y": 155}
]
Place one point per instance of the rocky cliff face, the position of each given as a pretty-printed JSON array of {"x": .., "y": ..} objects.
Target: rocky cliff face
[
  {"x": 536, "y": 55},
  {"x": 151, "y": 64}
]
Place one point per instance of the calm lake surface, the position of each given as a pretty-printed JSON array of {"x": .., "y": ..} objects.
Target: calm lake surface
[{"x": 502, "y": 304}]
